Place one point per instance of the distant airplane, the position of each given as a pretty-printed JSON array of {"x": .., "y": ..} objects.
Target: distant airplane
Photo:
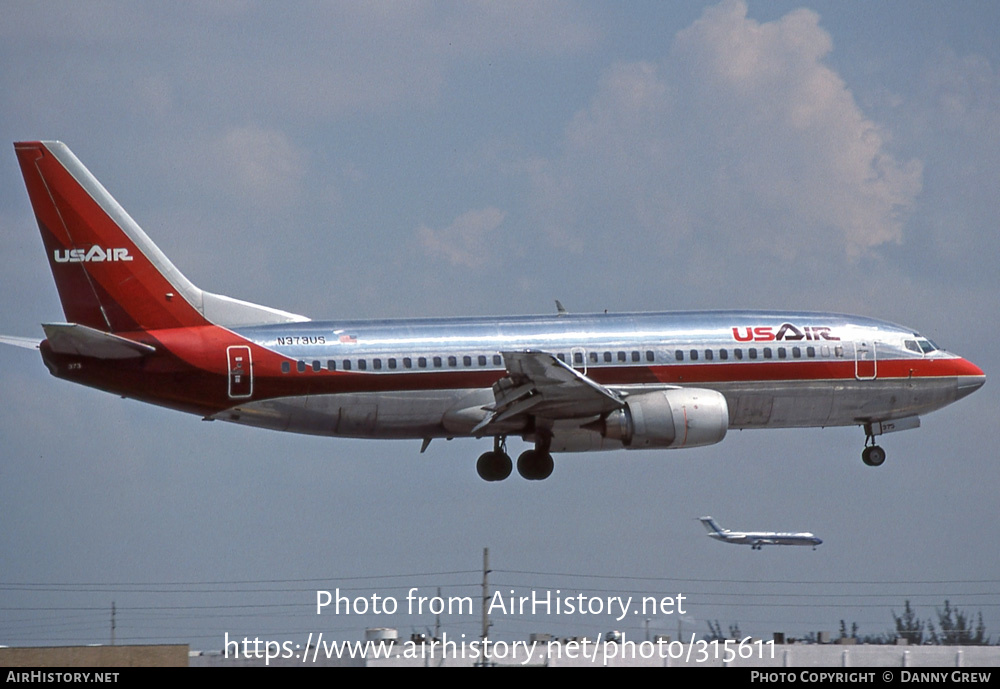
[
  {"x": 758, "y": 539},
  {"x": 136, "y": 327}
]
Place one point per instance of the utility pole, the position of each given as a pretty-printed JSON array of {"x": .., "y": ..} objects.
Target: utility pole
[
  {"x": 437, "y": 620},
  {"x": 112, "y": 623},
  {"x": 486, "y": 592}
]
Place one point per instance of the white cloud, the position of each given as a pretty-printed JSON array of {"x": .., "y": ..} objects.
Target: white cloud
[
  {"x": 261, "y": 166},
  {"x": 466, "y": 241},
  {"x": 742, "y": 135}
]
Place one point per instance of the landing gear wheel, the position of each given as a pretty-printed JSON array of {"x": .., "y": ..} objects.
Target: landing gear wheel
[
  {"x": 535, "y": 465},
  {"x": 873, "y": 456},
  {"x": 494, "y": 466}
]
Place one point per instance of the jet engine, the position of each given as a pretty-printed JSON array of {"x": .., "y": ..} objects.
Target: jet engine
[{"x": 680, "y": 417}]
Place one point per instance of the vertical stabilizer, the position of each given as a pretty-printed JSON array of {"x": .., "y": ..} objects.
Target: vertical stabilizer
[
  {"x": 110, "y": 275},
  {"x": 710, "y": 525}
]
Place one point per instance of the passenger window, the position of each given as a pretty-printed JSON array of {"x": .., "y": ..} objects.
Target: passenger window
[
  {"x": 723, "y": 354},
  {"x": 709, "y": 355},
  {"x": 467, "y": 361},
  {"x": 285, "y": 367},
  {"x": 767, "y": 352},
  {"x": 437, "y": 362},
  {"x": 407, "y": 362},
  {"x": 362, "y": 364},
  {"x": 422, "y": 362},
  {"x": 811, "y": 352},
  {"x": 824, "y": 350},
  {"x": 622, "y": 357},
  {"x": 301, "y": 366},
  {"x": 694, "y": 355},
  {"x": 607, "y": 357},
  {"x": 593, "y": 357},
  {"x": 753, "y": 352},
  {"x": 497, "y": 360},
  {"x": 331, "y": 365},
  {"x": 561, "y": 357},
  {"x": 317, "y": 366},
  {"x": 377, "y": 364},
  {"x": 452, "y": 361},
  {"x": 347, "y": 364},
  {"x": 392, "y": 363},
  {"x": 839, "y": 351},
  {"x": 649, "y": 356},
  {"x": 796, "y": 353},
  {"x": 679, "y": 355},
  {"x": 738, "y": 353},
  {"x": 635, "y": 357},
  {"x": 482, "y": 360},
  {"x": 577, "y": 357}
]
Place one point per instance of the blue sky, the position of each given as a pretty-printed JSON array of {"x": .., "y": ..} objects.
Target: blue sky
[{"x": 447, "y": 159}]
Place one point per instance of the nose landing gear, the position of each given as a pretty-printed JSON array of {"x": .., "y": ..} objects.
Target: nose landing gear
[{"x": 873, "y": 455}]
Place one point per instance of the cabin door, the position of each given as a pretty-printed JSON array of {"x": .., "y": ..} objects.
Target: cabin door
[
  {"x": 865, "y": 365},
  {"x": 240, "y": 372}
]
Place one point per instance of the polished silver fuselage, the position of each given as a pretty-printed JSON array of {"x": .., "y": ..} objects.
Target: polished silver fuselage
[{"x": 434, "y": 377}]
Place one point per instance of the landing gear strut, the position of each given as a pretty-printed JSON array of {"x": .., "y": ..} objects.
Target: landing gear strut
[
  {"x": 495, "y": 465},
  {"x": 872, "y": 455}
]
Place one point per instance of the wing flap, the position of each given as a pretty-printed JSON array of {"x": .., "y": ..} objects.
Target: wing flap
[{"x": 542, "y": 385}]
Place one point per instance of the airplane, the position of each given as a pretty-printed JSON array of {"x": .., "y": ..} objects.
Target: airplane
[
  {"x": 136, "y": 327},
  {"x": 758, "y": 539}
]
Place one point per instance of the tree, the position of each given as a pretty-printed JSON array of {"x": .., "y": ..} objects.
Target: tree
[
  {"x": 956, "y": 628},
  {"x": 909, "y": 626},
  {"x": 715, "y": 632},
  {"x": 843, "y": 630}
]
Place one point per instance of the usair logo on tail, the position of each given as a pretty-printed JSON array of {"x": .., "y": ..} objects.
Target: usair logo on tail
[{"x": 95, "y": 254}]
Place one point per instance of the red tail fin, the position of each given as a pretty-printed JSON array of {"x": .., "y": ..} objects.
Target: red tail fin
[
  {"x": 100, "y": 258},
  {"x": 110, "y": 275}
]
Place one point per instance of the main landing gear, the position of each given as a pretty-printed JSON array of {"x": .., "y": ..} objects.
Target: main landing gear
[
  {"x": 872, "y": 455},
  {"x": 534, "y": 465},
  {"x": 495, "y": 465}
]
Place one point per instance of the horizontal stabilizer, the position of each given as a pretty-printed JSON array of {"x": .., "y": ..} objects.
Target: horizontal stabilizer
[
  {"x": 73, "y": 338},
  {"x": 26, "y": 342}
]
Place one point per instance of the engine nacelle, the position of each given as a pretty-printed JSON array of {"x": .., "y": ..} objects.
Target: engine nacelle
[{"x": 680, "y": 417}]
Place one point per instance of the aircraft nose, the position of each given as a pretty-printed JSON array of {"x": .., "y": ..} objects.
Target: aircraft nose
[
  {"x": 972, "y": 379},
  {"x": 969, "y": 386}
]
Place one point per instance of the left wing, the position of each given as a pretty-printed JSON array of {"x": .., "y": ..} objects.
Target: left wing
[{"x": 540, "y": 384}]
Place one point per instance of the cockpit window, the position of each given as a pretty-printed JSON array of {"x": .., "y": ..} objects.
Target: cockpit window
[
  {"x": 927, "y": 346},
  {"x": 913, "y": 346}
]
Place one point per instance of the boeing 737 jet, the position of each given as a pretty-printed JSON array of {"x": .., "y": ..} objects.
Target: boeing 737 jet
[
  {"x": 758, "y": 539},
  {"x": 136, "y": 327}
]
